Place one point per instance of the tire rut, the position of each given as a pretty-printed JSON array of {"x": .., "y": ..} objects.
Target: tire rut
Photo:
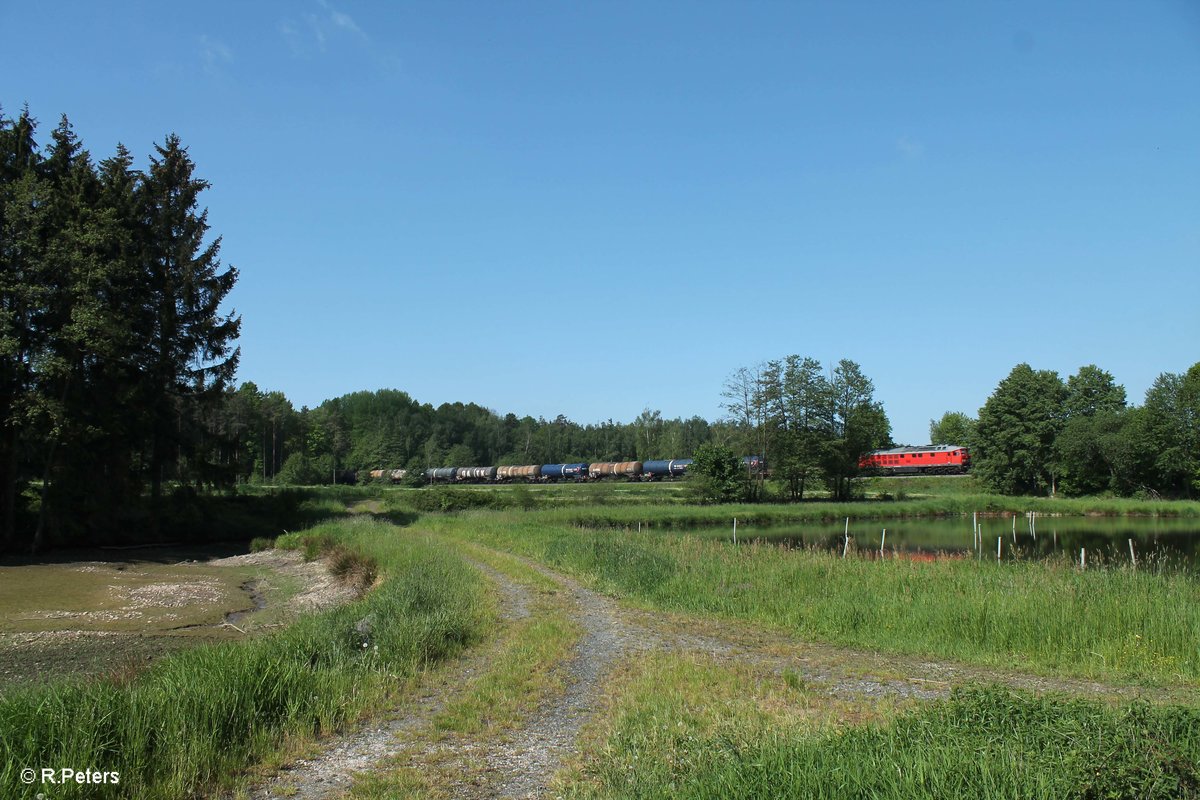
[{"x": 331, "y": 772}]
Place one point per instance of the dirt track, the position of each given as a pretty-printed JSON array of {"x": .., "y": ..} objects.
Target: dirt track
[{"x": 522, "y": 763}]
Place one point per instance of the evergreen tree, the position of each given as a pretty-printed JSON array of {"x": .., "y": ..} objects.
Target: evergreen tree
[
  {"x": 189, "y": 356},
  {"x": 21, "y": 297}
]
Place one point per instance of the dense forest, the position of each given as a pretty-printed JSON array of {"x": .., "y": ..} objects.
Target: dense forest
[{"x": 117, "y": 362}]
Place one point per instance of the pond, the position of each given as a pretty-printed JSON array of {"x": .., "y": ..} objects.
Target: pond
[{"x": 1105, "y": 539}]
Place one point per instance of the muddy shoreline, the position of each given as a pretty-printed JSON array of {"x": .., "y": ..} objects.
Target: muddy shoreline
[{"x": 74, "y": 614}]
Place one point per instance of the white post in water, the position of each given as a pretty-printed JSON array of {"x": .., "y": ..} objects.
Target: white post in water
[
  {"x": 735, "y": 530},
  {"x": 1034, "y": 531},
  {"x": 846, "y": 546},
  {"x": 639, "y": 526},
  {"x": 1082, "y": 558},
  {"x": 1014, "y": 527},
  {"x": 975, "y": 522},
  {"x": 999, "y": 540},
  {"x": 883, "y": 539},
  {"x": 1132, "y": 557}
]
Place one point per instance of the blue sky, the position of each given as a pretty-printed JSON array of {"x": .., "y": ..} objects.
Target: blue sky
[{"x": 593, "y": 208}]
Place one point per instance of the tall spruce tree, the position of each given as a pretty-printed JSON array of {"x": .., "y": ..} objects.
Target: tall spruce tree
[
  {"x": 21, "y": 289},
  {"x": 189, "y": 355}
]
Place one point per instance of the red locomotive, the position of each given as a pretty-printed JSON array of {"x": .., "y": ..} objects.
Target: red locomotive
[{"x": 936, "y": 459}]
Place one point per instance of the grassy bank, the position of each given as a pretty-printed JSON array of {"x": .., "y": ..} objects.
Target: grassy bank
[
  {"x": 199, "y": 716},
  {"x": 1039, "y": 617},
  {"x": 696, "y": 729}
]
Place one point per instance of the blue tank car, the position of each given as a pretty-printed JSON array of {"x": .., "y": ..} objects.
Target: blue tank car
[
  {"x": 441, "y": 474},
  {"x": 572, "y": 472},
  {"x": 653, "y": 470}
]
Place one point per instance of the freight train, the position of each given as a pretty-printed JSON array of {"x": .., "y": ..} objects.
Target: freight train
[
  {"x": 938, "y": 459},
  {"x": 551, "y": 473}
]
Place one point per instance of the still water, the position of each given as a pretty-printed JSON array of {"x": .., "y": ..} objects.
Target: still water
[{"x": 1106, "y": 539}]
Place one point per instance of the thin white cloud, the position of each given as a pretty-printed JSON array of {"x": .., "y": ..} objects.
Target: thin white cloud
[
  {"x": 291, "y": 35},
  {"x": 909, "y": 148},
  {"x": 214, "y": 54},
  {"x": 315, "y": 25},
  {"x": 316, "y": 30},
  {"x": 341, "y": 19}
]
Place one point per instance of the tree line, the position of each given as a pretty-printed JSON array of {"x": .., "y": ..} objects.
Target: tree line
[
  {"x": 115, "y": 352},
  {"x": 388, "y": 429},
  {"x": 1039, "y": 434}
]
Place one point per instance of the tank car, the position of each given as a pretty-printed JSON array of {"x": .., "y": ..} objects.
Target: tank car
[
  {"x": 675, "y": 468},
  {"x": 570, "y": 472},
  {"x": 607, "y": 469},
  {"x": 516, "y": 473},
  {"x": 475, "y": 474}
]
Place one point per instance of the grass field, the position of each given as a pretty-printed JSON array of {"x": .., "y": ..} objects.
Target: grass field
[{"x": 1044, "y": 617}]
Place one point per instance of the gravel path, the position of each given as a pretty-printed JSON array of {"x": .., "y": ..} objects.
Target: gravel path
[
  {"x": 330, "y": 772},
  {"x": 522, "y": 763}
]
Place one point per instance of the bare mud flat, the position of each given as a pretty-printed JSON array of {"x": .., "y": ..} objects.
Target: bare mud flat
[{"x": 95, "y": 617}]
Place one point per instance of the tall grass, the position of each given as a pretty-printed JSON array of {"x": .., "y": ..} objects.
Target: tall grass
[
  {"x": 1042, "y": 617},
  {"x": 197, "y": 717},
  {"x": 989, "y": 744}
]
